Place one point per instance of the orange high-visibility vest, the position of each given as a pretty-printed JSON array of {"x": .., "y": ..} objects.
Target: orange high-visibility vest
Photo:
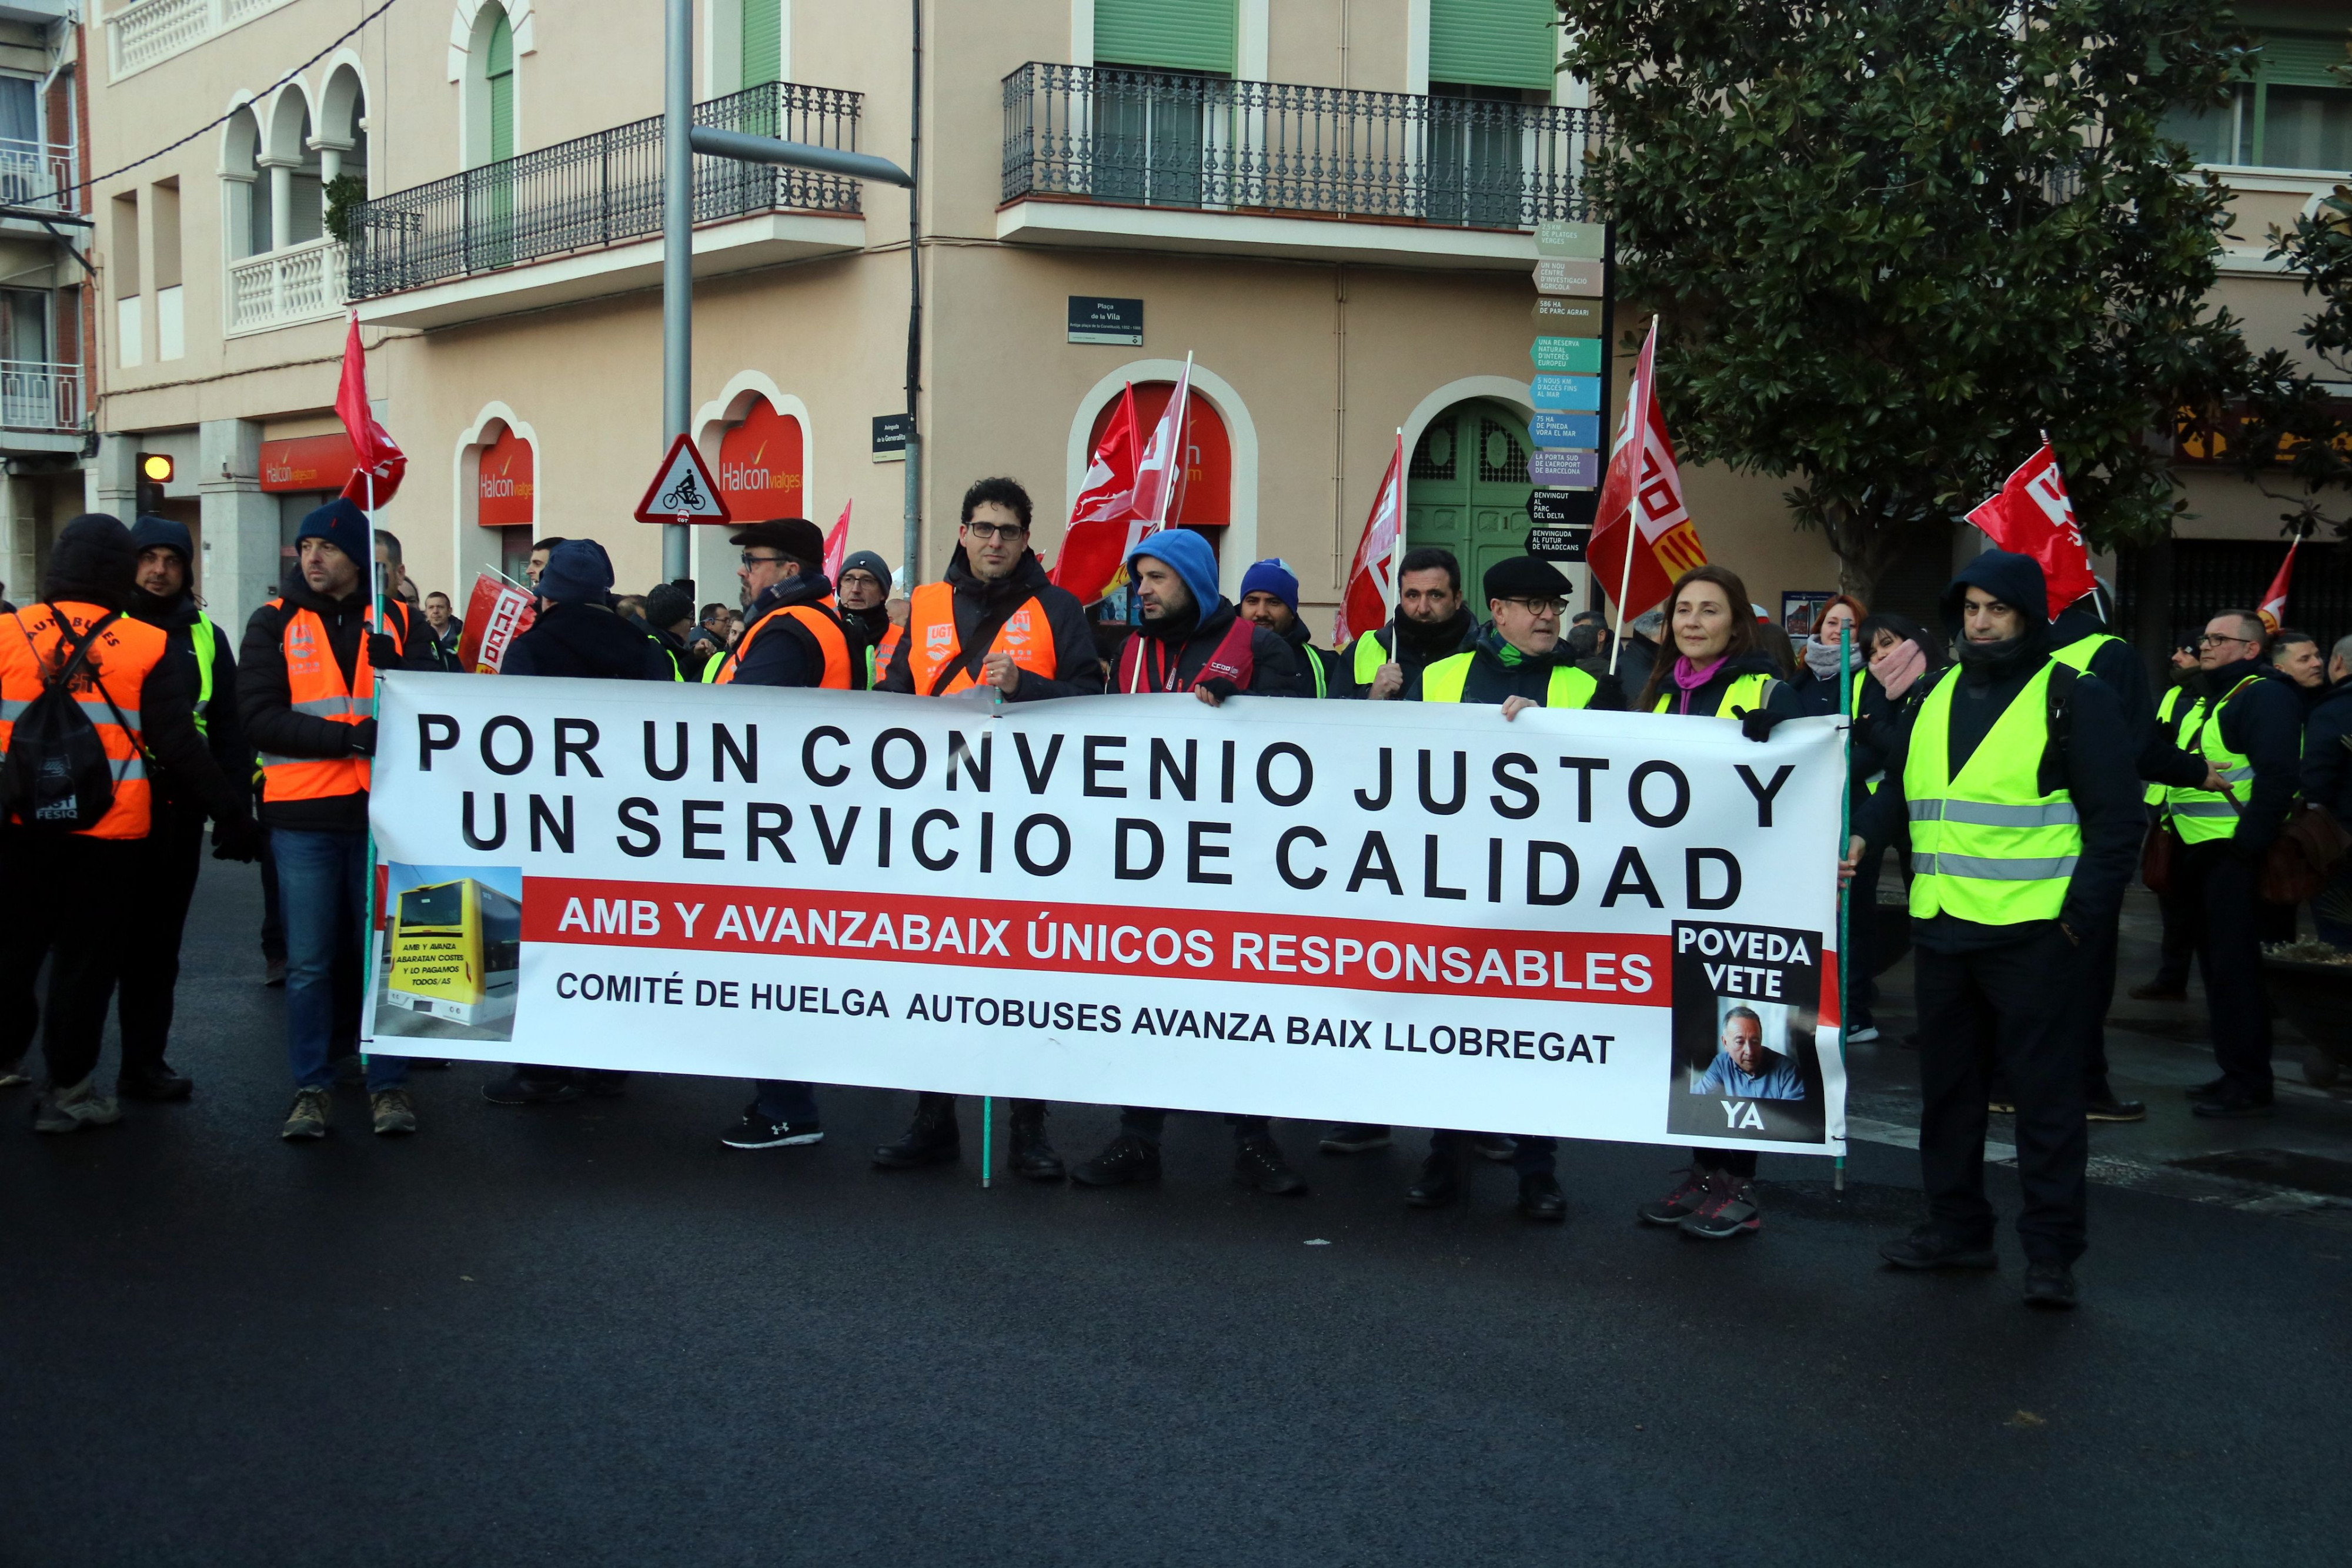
[
  {"x": 314, "y": 683},
  {"x": 830, "y": 641},
  {"x": 31, "y": 645},
  {"x": 933, "y": 643}
]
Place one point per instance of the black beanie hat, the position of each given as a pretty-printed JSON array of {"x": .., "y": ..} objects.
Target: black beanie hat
[
  {"x": 668, "y": 605},
  {"x": 93, "y": 563}
]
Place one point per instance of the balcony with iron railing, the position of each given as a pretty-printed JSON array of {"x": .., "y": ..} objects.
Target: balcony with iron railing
[
  {"x": 583, "y": 217},
  {"x": 37, "y": 174},
  {"x": 1112, "y": 156},
  {"x": 41, "y": 396}
]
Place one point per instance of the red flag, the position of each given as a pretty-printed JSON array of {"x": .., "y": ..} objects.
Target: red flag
[
  {"x": 1371, "y": 593},
  {"x": 2032, "y": 516},
  {"x": 2273, "y": 605},
  {"x": 1159, "y": 472},
  {"x": 1641, "y": 534},
  {"x": 375, "y": 452},
  {"x": 837, "y": 546},
  {"x": 497, "y": 612},
  {"x": 1095, "y": 541}
]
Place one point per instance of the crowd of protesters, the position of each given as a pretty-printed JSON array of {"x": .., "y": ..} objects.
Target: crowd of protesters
[{"x": 2014, "y": 764}]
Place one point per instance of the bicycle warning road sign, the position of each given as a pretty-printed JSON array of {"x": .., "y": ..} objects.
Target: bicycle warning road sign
[{"x": 683, "y": 490}]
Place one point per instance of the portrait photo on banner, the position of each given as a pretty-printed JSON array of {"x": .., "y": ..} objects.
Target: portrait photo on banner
[{"x": 1746, "y": 1003}]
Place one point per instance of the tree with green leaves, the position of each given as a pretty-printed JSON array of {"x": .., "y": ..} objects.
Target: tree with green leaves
[
  {"x": 1891, "y": 241},
  {"x": 2295, "y": 439}
]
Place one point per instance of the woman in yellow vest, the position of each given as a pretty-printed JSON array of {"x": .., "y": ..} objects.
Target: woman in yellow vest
[{"x": 1718, "y": 670}]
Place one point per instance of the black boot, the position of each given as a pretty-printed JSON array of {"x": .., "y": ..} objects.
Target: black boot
[
  {"x": 1258, "y": 1164},
  {"x": 1033, "y": 1157},
  {"x": 931, "y": 1139},
  {"x": 1441, "y": 1180}
]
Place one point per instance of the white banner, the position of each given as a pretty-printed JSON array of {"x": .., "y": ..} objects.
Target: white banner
[{"x": 1598, "y": 925}]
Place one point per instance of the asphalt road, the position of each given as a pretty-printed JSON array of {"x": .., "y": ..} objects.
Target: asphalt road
[{"x": 592, "y": 1334}]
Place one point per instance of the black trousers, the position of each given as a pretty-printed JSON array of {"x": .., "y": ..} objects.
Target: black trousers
[
  {"x": 273, "y": 921},
  {"x": 1146, "y": 1123},
  {"x": 155, "y": 916},
  {"x": 2178, "y": 906},
  {"x": 2229, "y": 957},
  {"x": 1531, "y": 1154},
  {"x": 2004, "y": 1005},
  {"x": 927, "y": 1102},
  {"x": 65, "y": 894},
  {"x": 2093, "y": 994}
]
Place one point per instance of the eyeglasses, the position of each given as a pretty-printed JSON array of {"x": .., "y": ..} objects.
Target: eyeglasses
[
  {"x": 1006, "y": 531},
  {"x": 750, "y": 560},
  {"x": 1553, "y": 607},
  {"x": 2211, "y": 641}
]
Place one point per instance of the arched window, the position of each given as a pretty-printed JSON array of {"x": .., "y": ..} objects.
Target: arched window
[
  {"x": 342, "y": 140},
  {"x": 245, "y": 195},
  {"x": 490, "y": 87},
  {"x": 1205, "y": 504},
  {"x": 760, "y": 464}
]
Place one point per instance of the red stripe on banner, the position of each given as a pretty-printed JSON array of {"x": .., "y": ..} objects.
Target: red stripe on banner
[{"x": 1099, "y": 939}]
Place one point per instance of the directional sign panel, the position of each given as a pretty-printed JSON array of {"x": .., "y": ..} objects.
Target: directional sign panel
[
  {"x": 1572, "y": 356},
  {"x": 683, "y": 490},
  {"x": 1568, "y": 317},
  {"x": 1559, "y": 544},
  {"x": 1565, "y": 470},
  {"x": 1584, "y": 241},
  {"x": 1558, "y": 430},
  {"x": 1577, "y": 277},
  {"x": 1568, "y": 394}
]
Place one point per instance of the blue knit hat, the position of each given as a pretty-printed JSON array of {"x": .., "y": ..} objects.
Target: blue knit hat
[
  {"x": 1195, "y": 564},
  {"x": 151, "y": 532},
  {"x": 578, "y": 572},
  {"x": 1272, "y": 577},
  {"x": 342, "y": 525}
]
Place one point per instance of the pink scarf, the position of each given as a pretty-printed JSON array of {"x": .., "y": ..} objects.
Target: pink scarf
[
  {"x": 1690, "y": 678},
  {"x": 1896, "y": 668}
]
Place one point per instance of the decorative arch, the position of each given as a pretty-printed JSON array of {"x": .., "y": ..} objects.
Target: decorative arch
[
  {"x": 288, "y": 122},
  {"x": 1241, "y": 535},
  {"x": 1502, "y": 388},
  {"x": 339, "y": 129},
  {"x": 245, "y": 193},
  {"x": 467, "y": 31},
  {"x": 469, "y": 67},
  {"x": 473, "y": 549},
  {"x": 708, "y": 558}
]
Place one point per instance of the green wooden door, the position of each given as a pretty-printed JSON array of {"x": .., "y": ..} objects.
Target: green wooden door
[{"x": 1467, "y": 489}]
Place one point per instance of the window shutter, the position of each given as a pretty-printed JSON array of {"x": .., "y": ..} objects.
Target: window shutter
[
  {"x": 1493, "y": 43},
  {"x": 2291, "y": 59},
  {"x": 763, "y": 41},
  {"x": 1173, "y": 35},
  {"x": 499, "y": 68}
]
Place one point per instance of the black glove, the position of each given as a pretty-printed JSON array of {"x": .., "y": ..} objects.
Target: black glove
[
  {"x": 1758, "y": 724},
  {"x": 382, "y": 651},
  {"x": 238, "y": 839},
  {"x": 363, "y": 738}
]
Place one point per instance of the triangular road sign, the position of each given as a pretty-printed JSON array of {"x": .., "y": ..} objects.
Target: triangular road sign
[{"x": 683, "y": 490}]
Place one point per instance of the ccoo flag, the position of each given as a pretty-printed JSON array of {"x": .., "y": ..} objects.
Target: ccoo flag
[
  {"x": 2031, "y": 515},
  {"x": 2273, "y": 606},
  {"x": 376, "y": 455},
  {"x": 1371, "y": 594},
  {"x": 1641, "y": 534},
  {"x": 837, "y": 545},
  {"x": 1095, "y": 544}
]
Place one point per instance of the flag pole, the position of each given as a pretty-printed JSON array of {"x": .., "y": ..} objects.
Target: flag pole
[
  {"x": 1637, "y": 430},
  {"x": 374, "y": 619},
  {"x": 1395, "y": 589},
  {"x": 1846, "y": 705}
]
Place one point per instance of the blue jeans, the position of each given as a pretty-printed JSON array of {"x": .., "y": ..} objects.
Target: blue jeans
[{"x": 322, "y": 893}]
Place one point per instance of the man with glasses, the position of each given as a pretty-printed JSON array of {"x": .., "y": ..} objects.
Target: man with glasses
[
  {"x": 995, "y": 621},
  {"x": 2242, "y": 738},
  {"x": 862, "y": 592}
]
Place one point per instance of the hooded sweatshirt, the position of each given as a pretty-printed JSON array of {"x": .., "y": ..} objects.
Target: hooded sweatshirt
[
  {"x": 1176, "y": 648},
  {"x": 586, "y": 640},
  {"x": 2094, "y": 764},
  {"x": 1499, "y": 670},
  {"x": 982, "y": 607}
]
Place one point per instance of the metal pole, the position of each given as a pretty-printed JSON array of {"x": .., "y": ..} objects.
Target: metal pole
[
  {"x": 677, "y": 254},
  {"x": 1850, "y": 708},
  {"x": 912, "y": 571}
]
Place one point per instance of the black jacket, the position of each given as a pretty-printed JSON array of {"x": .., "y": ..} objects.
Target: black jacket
[
  {"x": 1411, "y": 646},
  {"x": 182, "y": 624},
  {"x": 2264, "y": 724},
  {"x": 587, "y": 641},
  {"x": 1173, "y": 652},
  {"x": 982, "y": 609},
  {"x": 1636, "y": 659},
  {"x": 1335, "y": 679},
  {"x": 2328, "y": 752},
  {"x": 267, "y": 712},
  {"x": 690, "y": 657},
  {"x": 787, "y": 653},
  {"x": 2120, "y": 669},
  {"x": 2096, "y": 764},
  {"x": 1499, "y": 671}
]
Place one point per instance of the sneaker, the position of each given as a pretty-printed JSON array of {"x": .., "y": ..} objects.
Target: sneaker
[
  {"x": 1729, "y": 1210},
  {"x": 1128, "y": 1159},
  {"x": 1928, "y": 1247},
  {"x": 394, "y": 1112},
  {"x": 755, "y": 1131},
  {"x": 1494, "y": 1146},
  {"x": 1353, "y": 1138},
  {"x": 13, "y": 1076},
  {"x": 1682, "y": 1202},
  {"x": 2050, "y": 1285},
  {"x": 74, "y": 1107},
  {"x": 2231, "y": 1105},
  {"x": 308, "y": 1119},
  {"x": 1258, "y": 1164},
  {"x": 517, "y": 1089},
  {"x": 1862, "y": 1034}
]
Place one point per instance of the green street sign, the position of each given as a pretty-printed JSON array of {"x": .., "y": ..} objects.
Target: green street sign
[
  {"x": 1575, "y": 356},
  {"x": 1580, "y": 242},
  {"x": 1568, "y": 318}
]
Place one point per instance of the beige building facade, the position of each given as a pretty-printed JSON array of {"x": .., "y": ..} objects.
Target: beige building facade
[{"x": 1327, "y": 205}]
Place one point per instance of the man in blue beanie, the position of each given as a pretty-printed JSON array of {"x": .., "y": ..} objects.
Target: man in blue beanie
[
  {"x": 1270, "y": 598},
  {"x": 1194, "y": 640}
]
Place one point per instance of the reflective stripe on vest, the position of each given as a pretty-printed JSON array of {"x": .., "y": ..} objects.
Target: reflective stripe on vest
[
  {"x": 2204, "y": 814},
  {"x": 1444, "y": 681},
  {"x": 933, "y": 643},
  {"x": 1988, "y": 845},
  {"x": 877, "y": 657},
  {"x": 31, "y": 644},
  {"x": 1315, "y": 666},
  {"x": 314, "y": 686},
  {"x": 1746, "y": 694},
  {"x": 830, "y": 640}
]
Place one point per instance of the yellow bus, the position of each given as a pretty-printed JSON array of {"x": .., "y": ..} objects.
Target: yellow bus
[{"x": 456, "y": 947}]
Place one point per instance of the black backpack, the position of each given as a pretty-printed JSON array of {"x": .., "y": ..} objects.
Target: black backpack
[{"x": 57, "y": 776}]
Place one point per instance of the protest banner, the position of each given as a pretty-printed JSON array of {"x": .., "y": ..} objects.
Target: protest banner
[{"x": 1569, "y": 923}]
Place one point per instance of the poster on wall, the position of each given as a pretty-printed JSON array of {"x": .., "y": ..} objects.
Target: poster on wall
[{"x": 760, "y": 466}]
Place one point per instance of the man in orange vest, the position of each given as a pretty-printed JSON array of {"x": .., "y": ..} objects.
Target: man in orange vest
[
  {"x": 305, "y": 691},
  {"x": 60, "y": 880},
  {"x": 792, "y": 636},
  {"x": 863, "y": 591},
  {"x": 995, "y": 620}
]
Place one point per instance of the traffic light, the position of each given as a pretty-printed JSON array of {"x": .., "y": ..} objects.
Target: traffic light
[{"x": 154, "y": 473}]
